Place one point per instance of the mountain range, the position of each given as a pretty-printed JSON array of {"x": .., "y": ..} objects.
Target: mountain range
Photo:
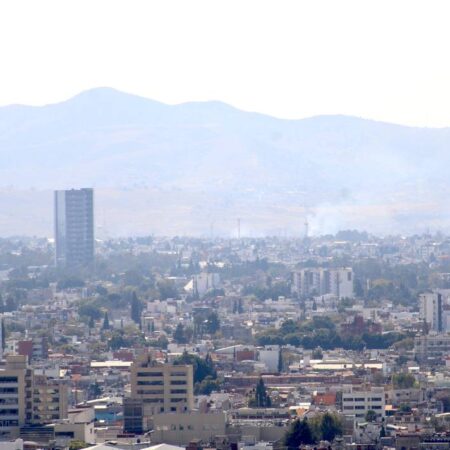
[{"x": 194, "y": 168}]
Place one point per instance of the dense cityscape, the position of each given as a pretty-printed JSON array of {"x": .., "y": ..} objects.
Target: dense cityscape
[
  {"x": 339, "y": 340},
  {"x": 224, "y": 225}
]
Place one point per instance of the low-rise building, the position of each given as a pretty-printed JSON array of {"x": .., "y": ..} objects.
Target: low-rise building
[{"x": 358, "y": 402}]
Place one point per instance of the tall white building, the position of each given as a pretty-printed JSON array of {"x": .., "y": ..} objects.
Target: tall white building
[
  {"x": 74, "y": 227},
  {"x": 431, "y": 308},
  {"x": 321, "y": 281}
]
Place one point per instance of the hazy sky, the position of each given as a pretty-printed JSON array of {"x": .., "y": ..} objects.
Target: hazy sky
[{"x": 387, "y": 60}]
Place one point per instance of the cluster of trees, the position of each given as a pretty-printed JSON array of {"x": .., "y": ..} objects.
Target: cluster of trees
[
  {"x": 167, "y": 289},
  {"x": 243, "y": 269},
  {"x": 93, "y": 309},
  {"x": 135, "y": 267},
  {"x": 322, "y": 332},
  {"x": 398, "y": 293},
  {"x": 404, "y": 380},
  {"x": 12, "y": 300},
  {"x": 18, "y": 254},
  {"x": 308, "y": 432},
  {"x": 203, "y": 324},
  {"x": 400, "y": 283},
  {"x": 205, "y": 374},
  {"x": 206, "y": 324},
  {"x": 260, "y": 398},
  {"x": 182, "y": 335},
  {"x": 273, "y": 291},
  {"x": 127, "y": 336},
  {"x": 69, "y": 282}
]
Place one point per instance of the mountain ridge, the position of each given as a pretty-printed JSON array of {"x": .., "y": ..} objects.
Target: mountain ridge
[
  {"x": 233, "y": 160},
  {"x": 114, "y": 91}
]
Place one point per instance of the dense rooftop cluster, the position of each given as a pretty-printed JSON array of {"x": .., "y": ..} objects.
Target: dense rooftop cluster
[{"x": 338, "y": 341}]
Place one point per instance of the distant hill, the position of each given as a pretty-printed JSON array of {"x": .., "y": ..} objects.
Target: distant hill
[{"x": 196, "y": 167}]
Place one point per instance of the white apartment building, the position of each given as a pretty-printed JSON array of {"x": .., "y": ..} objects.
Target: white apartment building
[
  {"x": 432, "y": 347},
  {"x": 320, "y": 281},
  {"x": 200, "y": 284},
  {"x": 162, "y": 387},
  {"x": 270, "y": 355},
  {"x": 359, "y": 402}
]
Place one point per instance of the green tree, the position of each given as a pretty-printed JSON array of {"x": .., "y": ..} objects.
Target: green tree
[
  {"x": 371, "y": 416},
  {"x": 261, "y": 399},
  {"x": 404, "y": 408},
  {"x": 167, "y": 289},
  {"x": 212, "y": 323},
  {"x": 330, "y": 427},
  {"x": 106, "y": 325},
  {"x": 445, "y": 399},
  {"x": 12, "y": 303},
  {"x": 207, "y": 386},
  {"x": 403, "y": 380},
  {"x": 199, "y": 326},
  {"x": 179, "y": 335},
  {"x": 300, "y": 433},
  {"x": 280, "y": 360},
  {"x": 118, "y": 340},
  {"x": 317, "y": 353},
  {"x": 90, "y": 310},
  {"x": 94, "y": 391},
  {"x": 202, "y": 367},
  {"x": 77, "y": 445},
  {"x": 70, "y": 283},
  {"x": 136, "y": 309}
]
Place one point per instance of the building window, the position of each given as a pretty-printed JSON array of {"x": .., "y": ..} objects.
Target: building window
[{"x": 150, "y": 374}]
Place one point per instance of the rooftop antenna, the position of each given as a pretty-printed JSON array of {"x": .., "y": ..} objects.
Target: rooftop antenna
[
  {"x": 239, "y": 228},
  {"x": 306, "y": 228}
]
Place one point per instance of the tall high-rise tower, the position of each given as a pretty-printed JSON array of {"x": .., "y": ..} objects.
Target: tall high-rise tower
[
  {"x": 431, "y": 309},
  {"x": 74, "y": 227}
]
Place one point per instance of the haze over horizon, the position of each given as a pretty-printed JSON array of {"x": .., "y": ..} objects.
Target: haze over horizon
[
  {"x": 352, "y": 127},
  {"x": 188, "y": 168},
  {"x": 378, "y": 60}
]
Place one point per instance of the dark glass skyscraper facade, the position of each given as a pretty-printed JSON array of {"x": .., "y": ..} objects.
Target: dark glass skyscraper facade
[{"x": 74, "y": 227}]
